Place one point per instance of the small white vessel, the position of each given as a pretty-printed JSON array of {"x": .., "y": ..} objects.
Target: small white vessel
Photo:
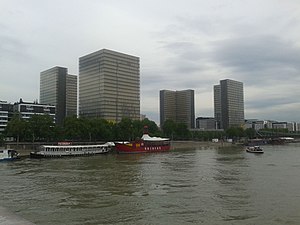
[
  {"x": 254, "y": 149},
  {"x": 48, "y": 151},
  {"x": 8, "y": 154}
]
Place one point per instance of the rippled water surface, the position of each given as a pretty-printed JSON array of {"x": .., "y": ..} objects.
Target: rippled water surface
[{"x": 196, "y": 186}]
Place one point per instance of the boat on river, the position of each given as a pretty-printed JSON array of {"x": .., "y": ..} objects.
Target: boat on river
[
  {"x": 146, "y": 144},
  {"x": 254, "y": 149},
  {"x": 8, "y": 154},
  {"x": 49, "y": 151}
]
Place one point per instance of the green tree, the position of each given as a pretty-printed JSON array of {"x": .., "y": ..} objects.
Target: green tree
[
  {"x": 77, "y": 128},
  {"x": 1, "y": 139},
  {"x": 152, "y": 127},
  {"x": 124, "y": 129},
  {"x": 235, "y": 132},
  {"x": 97, "y": 129},
  {"x": 107, "y": 130},
  {"x": 16, "y": 128},
  {"x": 250, "y": 133},
  {"x": 137, "y": 128},
  {"x": 40, "y": 127},
  {"x": 169, "y": 128},
  {"x": 101, "y": 129},
  {"x": 57, "y": 133},
  {"x": 182, "y": 131}
]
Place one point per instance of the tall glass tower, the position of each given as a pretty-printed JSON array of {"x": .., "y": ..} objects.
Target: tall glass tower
[
  {"x": 217, "y": 106},
  {"x": 229, "y": 103},
  {"x": 59, "y": 88},
  {"x": 178, "y": 106},
  {"x": 109, "y": 85}
]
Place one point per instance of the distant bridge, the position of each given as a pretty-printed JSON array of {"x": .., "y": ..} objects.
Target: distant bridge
[{"x": 276, "y": 134}]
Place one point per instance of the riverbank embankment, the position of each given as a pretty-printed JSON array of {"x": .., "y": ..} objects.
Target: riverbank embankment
[
  {"x": 198, "y": 144},
  {"x": 25, "y": 148}
]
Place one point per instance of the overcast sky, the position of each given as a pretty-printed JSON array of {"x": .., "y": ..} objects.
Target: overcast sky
[{"x": 190, "y": 44}]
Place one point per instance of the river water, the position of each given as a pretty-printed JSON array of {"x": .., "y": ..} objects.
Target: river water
[{"x": 192, "y": 186}]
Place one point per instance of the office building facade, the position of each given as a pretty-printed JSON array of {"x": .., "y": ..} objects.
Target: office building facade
[
  {"x": 59, "y": 88},
  {"x": 109, "y": 85},
  {"x": 217, "y": 106},
  {"x": 6, "y": 111},
  {"x": 178, "y": 106},
  {"x": 206, "y": 123},
  {"x": 229, "y": 103},
  {"x": 27, "y": 109},
  {"x": 71, "y": 95}
]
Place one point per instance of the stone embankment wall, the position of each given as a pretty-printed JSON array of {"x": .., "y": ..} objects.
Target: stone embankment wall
[
  {"x": 25, "y": 148},
  {"x": 198, "y": 144}
]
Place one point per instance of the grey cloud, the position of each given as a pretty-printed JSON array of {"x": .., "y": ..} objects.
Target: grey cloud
[
  {"x": 267, "y": 102},
  {"x": 258, "y": 54},
  {"x": 12, "y": 49},
  {"x": 188, "y": 50},
  {"x": 185, "y": 68},
  {"x": 150, "y": 79},
  {"x": 279, "y": 113},
  {"x": 185, "y": 58}
]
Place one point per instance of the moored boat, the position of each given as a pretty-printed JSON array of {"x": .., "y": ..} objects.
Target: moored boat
[
  {"x": 48, "y": 151},
  {"x": 8, "y": 154},
  {"x": 254, "y": 149},
  {"x": 146, "y": 144}
]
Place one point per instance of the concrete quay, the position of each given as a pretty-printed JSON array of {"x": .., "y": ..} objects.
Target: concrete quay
[
  {"x": 24, "y": 149},
  {"x": 198, "y": 144}
]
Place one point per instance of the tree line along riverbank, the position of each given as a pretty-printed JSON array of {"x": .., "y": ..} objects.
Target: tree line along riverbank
[{"x": 41, "y": 128}]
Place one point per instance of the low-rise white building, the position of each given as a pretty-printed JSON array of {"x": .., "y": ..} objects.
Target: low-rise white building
[
  {"x": 25, "y": 110},
  {"x": 28, "y": 109}
]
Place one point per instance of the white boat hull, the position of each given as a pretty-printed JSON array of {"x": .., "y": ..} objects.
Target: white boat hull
[
  {"x": 254, "y": 149},
  {"x": 49, "y": 151},
  {"x": 8, "y": 154}
]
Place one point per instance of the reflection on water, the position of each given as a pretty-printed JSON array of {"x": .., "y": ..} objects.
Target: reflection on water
[
  {"x": 232, "y": 174},
  {"x": 209, "y": 186}
]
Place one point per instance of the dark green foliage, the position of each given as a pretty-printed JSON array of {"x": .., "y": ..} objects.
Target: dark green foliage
[
  {"x": 75, "y": 128},
  {"x": 207, "y": 135},
  {"x": 250, "y": 133},
  {"x": 169, "y": 128},
  {"x": 235, "y": 132},
  {"x": 42, "y": 128},
  {"x": 37, "y": 128},
  {"x": 100, "y": 130},
  {"x": 129, "y": 129},
  {"x": 176, "y": 131},
  {"x": 16, "y": 128},
  {"x": 1, "y": 139}
]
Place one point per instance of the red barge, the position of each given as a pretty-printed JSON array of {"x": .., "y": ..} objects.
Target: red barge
[{"x": 146, "y": 144}]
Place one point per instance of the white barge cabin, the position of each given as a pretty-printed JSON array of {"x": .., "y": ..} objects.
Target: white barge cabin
[{"x": 70, "y": 150}]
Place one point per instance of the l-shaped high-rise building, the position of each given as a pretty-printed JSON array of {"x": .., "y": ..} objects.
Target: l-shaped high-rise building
[
  {"x": 229, "y": 104},
  {"x": 178, "y": 106},
  {"x": 59, "y": 88},
  {"x": 109, "y": 85}
]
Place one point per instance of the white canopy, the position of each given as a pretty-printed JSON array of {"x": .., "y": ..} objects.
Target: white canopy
[{"x": 146, "y": 137}]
